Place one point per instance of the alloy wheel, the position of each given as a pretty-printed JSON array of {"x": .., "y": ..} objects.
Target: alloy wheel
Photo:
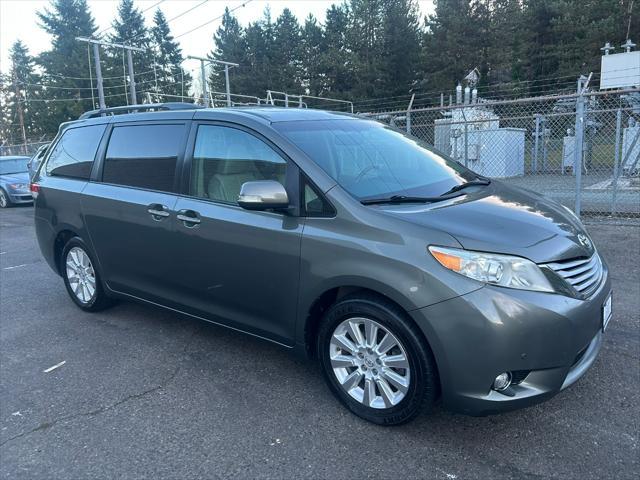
[
  {"x": 81, "y": 275},
  {"x": 369, "y": 362}
]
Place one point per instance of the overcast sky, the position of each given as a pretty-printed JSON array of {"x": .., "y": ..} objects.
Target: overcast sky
[{"x": 18, "y": 19}]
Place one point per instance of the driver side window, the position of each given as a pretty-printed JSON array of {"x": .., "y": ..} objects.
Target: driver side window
[{"x": 224, "y": 158}]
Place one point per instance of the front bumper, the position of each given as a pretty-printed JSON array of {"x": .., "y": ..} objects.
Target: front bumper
[
  {"x": 548, "y": 340},
  {"x": 20, "y": 197}
]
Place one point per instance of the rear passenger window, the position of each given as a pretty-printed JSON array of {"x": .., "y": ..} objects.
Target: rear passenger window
[
  {"x": 143, "y": 156},
  {"x": 73, "y": 155},
  {"x": 224, "y": 158}
]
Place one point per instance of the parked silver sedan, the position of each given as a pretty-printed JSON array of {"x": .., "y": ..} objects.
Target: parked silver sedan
[{"x": 14, "y": 181}]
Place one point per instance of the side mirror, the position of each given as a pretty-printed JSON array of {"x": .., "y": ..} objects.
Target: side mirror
[{"x": 263, "y": 195}]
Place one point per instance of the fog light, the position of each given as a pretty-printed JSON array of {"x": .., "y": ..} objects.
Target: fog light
[{"x": 502, "y": 381}]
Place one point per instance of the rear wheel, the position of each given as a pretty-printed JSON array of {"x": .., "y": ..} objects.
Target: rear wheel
[
  {"x": 376, "y": 361},
  {"x": 4, "y": 199},
  {"x": 81, "y": 277}
]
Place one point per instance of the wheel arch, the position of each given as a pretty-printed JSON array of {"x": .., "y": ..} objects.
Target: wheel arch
[
  {"x": 61, "y": 239},
  {"x": 328, "y": 297}
]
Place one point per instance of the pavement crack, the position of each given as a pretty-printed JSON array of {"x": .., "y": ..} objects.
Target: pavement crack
[{"x": 164, "y": 383}]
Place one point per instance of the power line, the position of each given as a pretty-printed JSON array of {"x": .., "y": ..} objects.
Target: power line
[
  {"x": 212, "y": 20},
  {"x": 65, "y": 77},
  {"x": 56, "y": 87},
  {"x": 143, "y": 11},
  {"x": 170, "y": 20},
  {"x": 77, "y": 99},
  {"x": 485, "y": 90},
  {"x": 488, "y": 89}
]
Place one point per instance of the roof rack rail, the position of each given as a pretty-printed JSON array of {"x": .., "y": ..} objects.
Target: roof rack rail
[{"x": 138, "y": 108}]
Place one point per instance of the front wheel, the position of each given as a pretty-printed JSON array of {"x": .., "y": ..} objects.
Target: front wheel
[
  {"x": 4, "y": 199},
  {"x": 81, "y": 277},
  {"x": 376, "y": 361}
]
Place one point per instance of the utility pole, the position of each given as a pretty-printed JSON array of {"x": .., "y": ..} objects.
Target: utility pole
[
  {"x": 227, "y": 65},
  {"x": 100, "y": 84},
  {"x": 20, "y": 113},
  {"x": 96, "y": 54},
  {"x": 132, "y": 81},
  {"x": 203, "y": 78},
  {"x": 226, "y": 83}
]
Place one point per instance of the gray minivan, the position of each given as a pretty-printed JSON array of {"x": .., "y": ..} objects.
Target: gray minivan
[{"x": 409, "y": 277}]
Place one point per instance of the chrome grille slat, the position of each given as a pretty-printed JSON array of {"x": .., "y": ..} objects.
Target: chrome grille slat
[
  {"x": 567, "y": 265},
  {"x": 583, "y": 274},
  {"x": 579, "y": 269},
  {"x": 592, "y": 281},
  {"x": 578, "y": 279}
]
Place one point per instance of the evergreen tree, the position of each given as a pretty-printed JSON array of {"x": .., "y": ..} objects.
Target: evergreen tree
[
  {"x": 259, "y": 70},
  {"x": 505, "y": 51},
  {"x": 540, "y": 39},
  {"x": 365, "y": 39},
  {"x": 229, "y": 46},
  {"x": 311, "y": 49},
  {"x": 286, "y": 53},
  {"x": 450, "y": 49},
  {"x": 400, "y": 47},
  {"x": 128, "y": 28},
  {"x": 336, "y": 58},
  {"x": 6, "y": 123},
  {"x": 172, "y": 78},
  {"x": 65, "y": 65},
  {"x": 364, "y": 49},
  {"x": 582, "y": 28},
  {"x": 24, "y": 95}
]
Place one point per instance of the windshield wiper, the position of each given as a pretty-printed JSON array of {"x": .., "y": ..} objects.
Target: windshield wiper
[
  {"x": 400, "y": 199},
  {"x": 479, "y": 182},
  {"x": 453, "y": 192}
]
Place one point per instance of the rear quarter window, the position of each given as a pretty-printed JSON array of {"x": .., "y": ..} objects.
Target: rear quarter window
[{"x": 75, "y": 152}]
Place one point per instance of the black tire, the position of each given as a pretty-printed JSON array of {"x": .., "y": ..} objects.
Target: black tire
[
  {"x": 4, "y": 199},
  {"x": 99, "y": 300},
  {"x": 424, "y": 383}
]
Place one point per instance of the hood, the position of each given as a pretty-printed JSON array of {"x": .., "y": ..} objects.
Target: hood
[
  {"x": 503, "y": 219},
  {"x": 22, "y": 177}
]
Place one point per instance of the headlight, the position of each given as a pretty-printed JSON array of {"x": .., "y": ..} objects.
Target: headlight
[
  {"x": 502, "y": 270},
  {"x": 18, "y": 186}
]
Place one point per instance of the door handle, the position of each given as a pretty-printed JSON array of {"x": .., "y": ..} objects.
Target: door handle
[
  {"x": 189, "y": 218},
  {"x": 158, "y": 212}
]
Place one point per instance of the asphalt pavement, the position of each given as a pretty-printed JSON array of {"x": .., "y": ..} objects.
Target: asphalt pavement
[{"x": 147, "y": 393}]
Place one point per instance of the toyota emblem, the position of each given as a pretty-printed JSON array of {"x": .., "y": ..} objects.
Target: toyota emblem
[{"x": 584, "y": 241}]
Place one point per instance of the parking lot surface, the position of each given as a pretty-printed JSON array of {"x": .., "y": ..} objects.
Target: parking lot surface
[{"x": 147, "y": 393}]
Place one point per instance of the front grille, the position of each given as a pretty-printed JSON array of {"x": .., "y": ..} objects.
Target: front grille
[{"x": 583, "y": 274}]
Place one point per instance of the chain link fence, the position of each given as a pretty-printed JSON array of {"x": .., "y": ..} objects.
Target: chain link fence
[
  {"x": 582, "y": 150},
  {"x": 23, "y": 149}
]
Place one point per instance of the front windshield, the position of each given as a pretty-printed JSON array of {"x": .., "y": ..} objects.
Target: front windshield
[
  {"x": 13, "y": 165},
  {"x": 371, "y": 160}
]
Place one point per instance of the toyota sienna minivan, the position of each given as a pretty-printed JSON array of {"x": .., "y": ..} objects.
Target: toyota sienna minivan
[{"x": 409, "y": 277}]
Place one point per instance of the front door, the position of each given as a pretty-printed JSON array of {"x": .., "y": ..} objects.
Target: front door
[{"x": 238, "y": 267}]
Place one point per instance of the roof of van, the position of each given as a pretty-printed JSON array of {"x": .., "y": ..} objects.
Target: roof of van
[
  {"x": 281, "y": 114},
  {"x": 266, "y": 114}
]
